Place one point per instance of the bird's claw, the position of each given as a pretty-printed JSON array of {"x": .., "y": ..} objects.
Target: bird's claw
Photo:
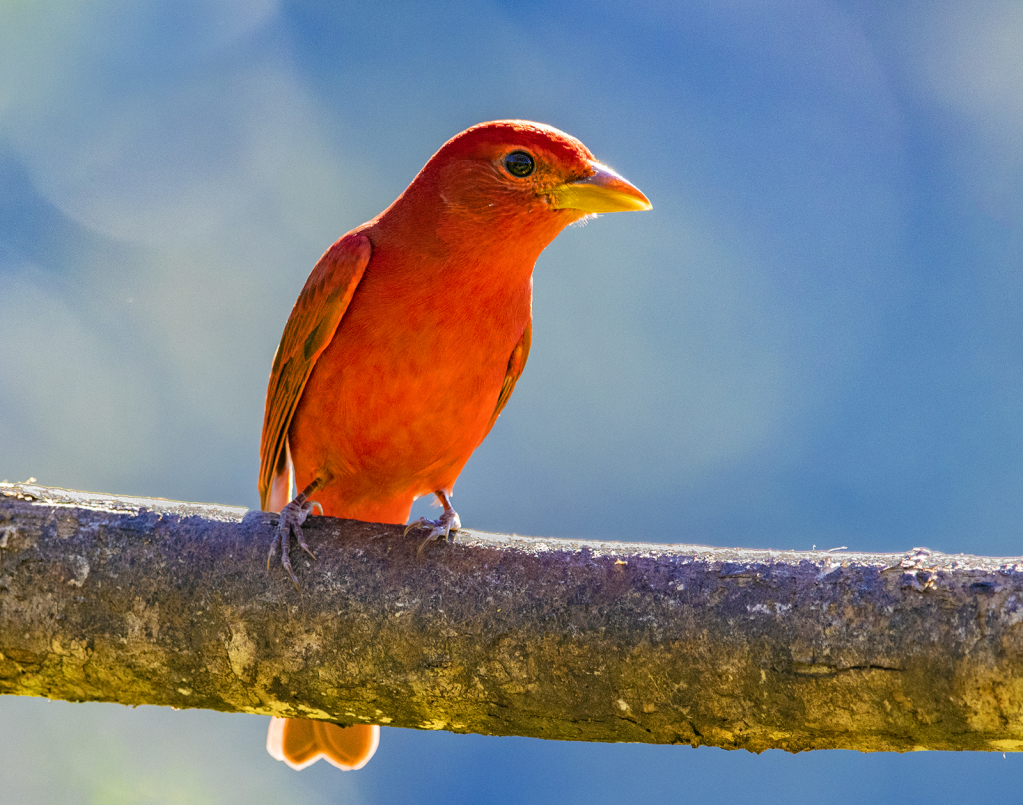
[
  {"x": 292, "y": 517},
  {"x": 440, "y": 528}
]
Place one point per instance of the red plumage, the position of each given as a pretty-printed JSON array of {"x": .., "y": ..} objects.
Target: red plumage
[{"x": 407, "y": 341}]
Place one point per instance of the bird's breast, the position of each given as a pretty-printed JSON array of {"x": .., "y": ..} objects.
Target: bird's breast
[{"x": 409, "y": 384}]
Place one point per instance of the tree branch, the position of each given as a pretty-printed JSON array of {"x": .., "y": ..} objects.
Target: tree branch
[{"x": 143, "y": 601}]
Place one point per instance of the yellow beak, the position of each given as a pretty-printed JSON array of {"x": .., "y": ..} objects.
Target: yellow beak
[{"x": 603, "y": 191}]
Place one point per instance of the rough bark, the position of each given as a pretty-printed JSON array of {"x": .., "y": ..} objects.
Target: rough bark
[{"x": 138, "y": 601}]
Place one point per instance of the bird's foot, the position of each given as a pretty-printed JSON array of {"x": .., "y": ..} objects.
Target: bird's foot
[
  {"x": 292, "y": 517},
  {"x": 440, "y": 528}
]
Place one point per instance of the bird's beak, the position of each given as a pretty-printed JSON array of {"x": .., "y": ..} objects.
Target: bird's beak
[{"x": 603, "y": 191}]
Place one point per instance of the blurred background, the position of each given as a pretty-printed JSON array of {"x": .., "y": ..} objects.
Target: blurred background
[{"x": 813, "y": 339}]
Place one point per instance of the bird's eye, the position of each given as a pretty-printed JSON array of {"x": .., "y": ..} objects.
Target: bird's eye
[{"x": 519, "y": 163}]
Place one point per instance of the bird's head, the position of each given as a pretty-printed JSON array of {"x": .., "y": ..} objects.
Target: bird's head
[
  {"x": 515, "y": 167},
  {"x": 509, "y": 184}
]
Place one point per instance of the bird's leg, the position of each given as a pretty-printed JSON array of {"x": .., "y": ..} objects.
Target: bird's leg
[
  {"x": 292, "y": 517},
  {"x": 440, "y": 528}
]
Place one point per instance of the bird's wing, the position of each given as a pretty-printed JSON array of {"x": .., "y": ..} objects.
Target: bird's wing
[
  {"x": 516, "y": 363},
  {"x": 311, "y": 326}
]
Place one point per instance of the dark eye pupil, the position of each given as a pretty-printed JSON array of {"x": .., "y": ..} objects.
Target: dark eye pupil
[{"x": 519, "y": 163}]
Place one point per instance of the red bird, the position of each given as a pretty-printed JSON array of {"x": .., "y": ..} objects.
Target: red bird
[{"x": 406, "y": 343}]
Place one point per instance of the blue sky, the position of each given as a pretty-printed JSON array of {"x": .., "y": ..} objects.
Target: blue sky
[{"x": 813, "y": 339}]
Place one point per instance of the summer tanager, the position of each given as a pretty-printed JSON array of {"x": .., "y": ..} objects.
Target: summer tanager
[{"x": 406, "y": 343}]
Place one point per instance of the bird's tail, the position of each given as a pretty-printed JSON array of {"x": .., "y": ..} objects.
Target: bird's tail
[{"x": 300, "y": 742}]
